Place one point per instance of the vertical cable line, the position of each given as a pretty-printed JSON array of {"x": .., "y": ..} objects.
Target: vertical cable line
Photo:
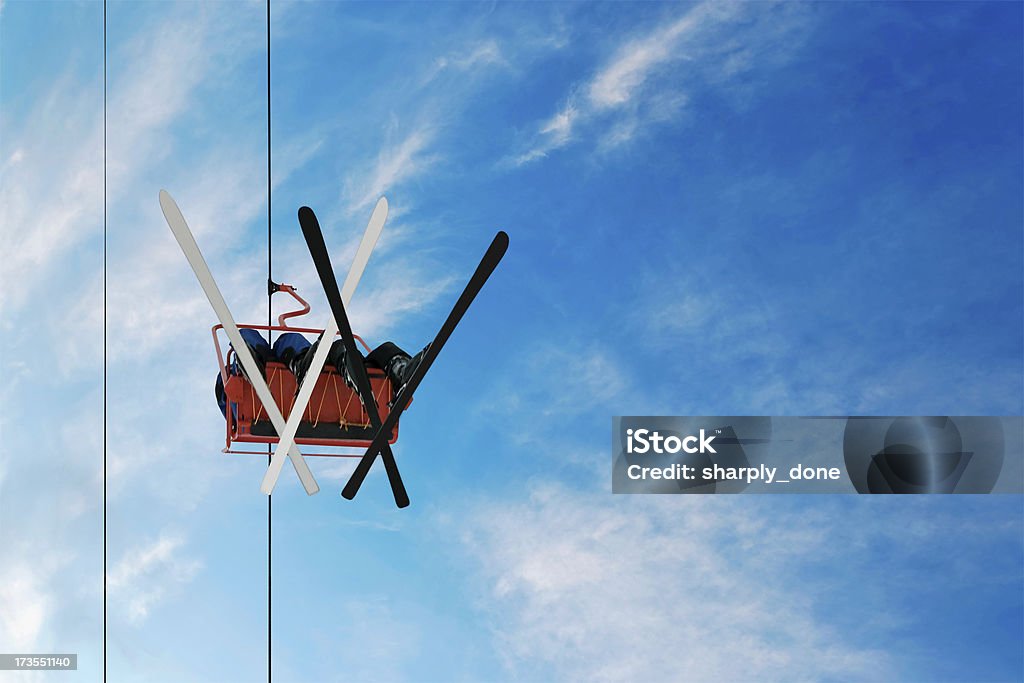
[
  {"x": 270, "y": 334},
  {"x": 105, "y": 339}
]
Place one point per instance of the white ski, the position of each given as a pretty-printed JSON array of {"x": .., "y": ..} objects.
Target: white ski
[
  {"x": 195, "y": 258},
  {"x": 287, "y": 435}
]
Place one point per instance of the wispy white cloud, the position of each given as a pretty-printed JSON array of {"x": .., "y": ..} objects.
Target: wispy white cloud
[
  {"x": 148, "y": 573},
  {"x": 395, "y": 163},
  {"x": 51, "y": 211},
  {"x": 566, "y": 380},
  {"x": 53, "y": 202},
  {"x": 426, "y": 96},
  {"x": 554, "y": 133},
  {"x": 25, "y": 605},
  {"x": 482, "y": 54},
  {"x": 559, "y": 126},
  {"x": 338, "y": 470},
  {"x": 589, "y": 586},
  {"x": 40, "y": 572},
  {"x": 543, "y": 390},
  {"x": 618, "y": 82},
  {"x": 644, "y": 81},
  {"x": 731, "y": 346},
  {"x": 406, "y": 290}
]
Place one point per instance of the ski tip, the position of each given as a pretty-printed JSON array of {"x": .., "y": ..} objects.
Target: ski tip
[
  {"x": 165, "y": 199},
  {"x": 500, "y": 241},
  {"x": 377, "y": 218},
  {"x": 172, "y": 213},
  {"x": 308, "y": 221}
]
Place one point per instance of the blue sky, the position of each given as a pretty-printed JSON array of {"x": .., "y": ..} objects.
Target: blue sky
[{"x": 713, "y": 209}]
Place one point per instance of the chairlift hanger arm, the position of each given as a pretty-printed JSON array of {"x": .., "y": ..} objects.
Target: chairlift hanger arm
[{"x": 288, "y": 289}]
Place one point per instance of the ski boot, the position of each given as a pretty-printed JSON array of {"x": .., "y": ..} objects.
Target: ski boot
[{"x": 398, "y": 365}]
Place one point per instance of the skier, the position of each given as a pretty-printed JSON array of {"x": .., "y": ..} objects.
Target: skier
[{"x": 297, "y": 353}]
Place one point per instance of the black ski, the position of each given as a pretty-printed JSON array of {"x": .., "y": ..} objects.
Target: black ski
[
  {"x": 318, "y": 250},
  {"x": 380, "y": 441}
]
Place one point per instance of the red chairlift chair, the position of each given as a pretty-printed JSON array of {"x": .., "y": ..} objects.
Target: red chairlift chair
[{"x": 334, "y": 417}]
